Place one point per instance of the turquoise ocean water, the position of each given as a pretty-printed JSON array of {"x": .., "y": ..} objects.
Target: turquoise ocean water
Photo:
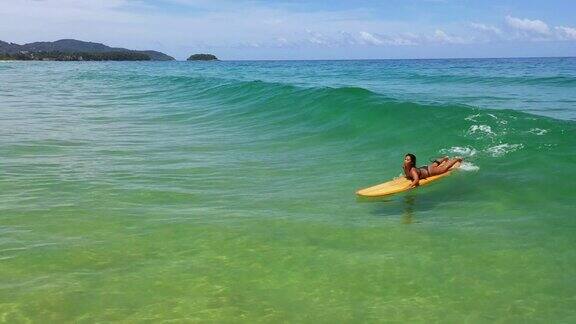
[{"x": 225, "y": 191}]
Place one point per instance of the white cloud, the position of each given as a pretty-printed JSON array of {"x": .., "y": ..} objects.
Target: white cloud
[
  {"x": 347, "y": 39},
  {"x": 342, "y": 39},
  {"x": 368, "y": 38},
  {"x": 403, "y": 40},
  {"x": 442, "y": 37},
  {"x": 486, "y": 28},
  {"x": 281, "y": 41},
  {"x": 537, "y": 30},
  {"x": 317, "y": 38},
  {"x": 566, "y": 33},
  {"x": 528, "y": 26}
]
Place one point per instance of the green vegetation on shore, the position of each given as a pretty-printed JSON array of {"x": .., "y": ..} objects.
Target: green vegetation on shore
[
  {"x": 77, "y": 56},
  {"x": 75, "y": 50},
  {"x": 202, "y": 57}
]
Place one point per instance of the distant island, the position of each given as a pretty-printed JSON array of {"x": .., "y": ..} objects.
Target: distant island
[
  {"x": 75, "y": 50},
  {"x": 202, "y": 57}
]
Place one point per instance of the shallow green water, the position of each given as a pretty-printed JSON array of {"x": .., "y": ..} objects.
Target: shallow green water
[{"x": 225, "y": 192}]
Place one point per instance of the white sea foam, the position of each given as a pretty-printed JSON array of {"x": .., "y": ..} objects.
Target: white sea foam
[
  {"x": 493, "y": 116},
  {"x": 538, "y": 131},
  {"x": 483, "y": 129},
  {"x": 503, "y": 149},
  {"x": 472, "y": 117},
  {"x": 469, "y": 166},
  {"x": 461, "y": 151}
]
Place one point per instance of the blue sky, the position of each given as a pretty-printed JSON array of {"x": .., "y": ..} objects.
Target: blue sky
[{"x": 298, "y": 29}]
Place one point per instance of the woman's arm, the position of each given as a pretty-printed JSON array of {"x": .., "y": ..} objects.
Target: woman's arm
[{"x": 415, "y": 178}]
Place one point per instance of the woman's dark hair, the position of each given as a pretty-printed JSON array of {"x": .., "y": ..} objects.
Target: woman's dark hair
[{"x": 412, "y": 158}]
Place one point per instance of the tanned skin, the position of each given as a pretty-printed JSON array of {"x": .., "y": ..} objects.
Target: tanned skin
[{"x": 439, "y": 166}]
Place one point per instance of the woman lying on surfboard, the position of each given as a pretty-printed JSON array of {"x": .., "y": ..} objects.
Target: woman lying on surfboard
[{"x": 437, "y": 167}]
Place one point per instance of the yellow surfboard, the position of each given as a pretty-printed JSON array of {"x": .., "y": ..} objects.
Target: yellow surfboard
[{"x": 399, "y": 184}]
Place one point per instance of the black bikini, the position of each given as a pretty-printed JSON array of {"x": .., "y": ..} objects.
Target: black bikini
[{"x": 423, "y": 169}]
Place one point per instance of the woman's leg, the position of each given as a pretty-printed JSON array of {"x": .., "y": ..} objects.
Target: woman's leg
[
  {"x": 444, "y": 167},
  {"x": 440, "y": 161}
]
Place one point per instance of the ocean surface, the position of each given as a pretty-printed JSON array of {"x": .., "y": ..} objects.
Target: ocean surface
[{"x": 225, "y": 191}]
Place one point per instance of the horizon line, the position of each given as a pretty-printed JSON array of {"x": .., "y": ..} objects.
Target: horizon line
[{"x": 384, "y": 59}]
